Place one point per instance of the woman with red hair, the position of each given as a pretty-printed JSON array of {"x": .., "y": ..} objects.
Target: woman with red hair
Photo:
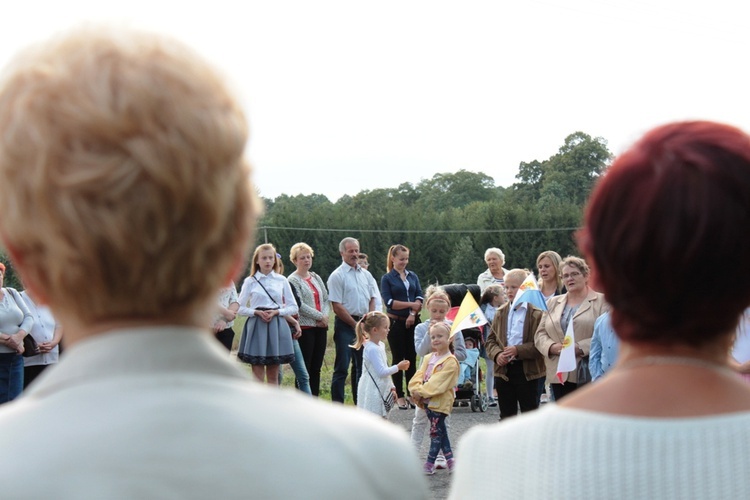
[{"x": 670, "y": 420}]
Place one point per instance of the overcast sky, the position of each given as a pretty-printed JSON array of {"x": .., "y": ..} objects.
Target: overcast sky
[{"x": 349, "y": 95}]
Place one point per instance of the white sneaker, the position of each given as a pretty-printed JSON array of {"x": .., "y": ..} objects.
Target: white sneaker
[{"x": 441, "y": 462}]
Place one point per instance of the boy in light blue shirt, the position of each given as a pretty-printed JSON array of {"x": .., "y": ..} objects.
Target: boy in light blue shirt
[{"x": 604, "y": 347}]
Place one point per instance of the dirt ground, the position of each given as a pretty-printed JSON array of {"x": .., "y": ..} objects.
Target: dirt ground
[{"x": 461, "y": 420}]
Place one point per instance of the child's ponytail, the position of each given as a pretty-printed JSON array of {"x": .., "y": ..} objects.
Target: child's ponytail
[
  {"x": 361, "y": 335},
  {"x": 369, "y": 321}
]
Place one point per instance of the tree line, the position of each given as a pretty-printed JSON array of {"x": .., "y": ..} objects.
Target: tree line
[{"x": 448, "y": 221}]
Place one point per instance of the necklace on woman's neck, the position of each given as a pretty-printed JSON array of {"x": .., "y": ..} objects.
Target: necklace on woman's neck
[{"x": 675, "y": 360}]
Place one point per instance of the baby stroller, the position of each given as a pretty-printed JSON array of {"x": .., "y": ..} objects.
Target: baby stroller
[
  {"x": 471, "y": 394},
  {"x": 457, "y": 292},
  {"x": 471, "y": 390}
]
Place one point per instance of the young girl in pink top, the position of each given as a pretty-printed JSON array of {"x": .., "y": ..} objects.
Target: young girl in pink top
[{"x": 432, "y": 388}]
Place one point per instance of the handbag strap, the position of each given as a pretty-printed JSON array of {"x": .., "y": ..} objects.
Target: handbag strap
[
  {"x": 264, "y": 289},
  {"x": 15, "y": 296},
  {"x": 376, "y": 385}
]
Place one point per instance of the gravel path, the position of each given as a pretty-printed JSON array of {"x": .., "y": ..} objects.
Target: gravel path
[{"x": 461, "y": 420}]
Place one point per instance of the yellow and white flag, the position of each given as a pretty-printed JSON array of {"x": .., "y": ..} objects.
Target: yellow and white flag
[
  {"x": 529, "y": 292},
  {"x": 567, "y": 361},
  {"x": 469, "y": 315}
]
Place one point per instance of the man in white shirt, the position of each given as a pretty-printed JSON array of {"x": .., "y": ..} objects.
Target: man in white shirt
[
  {"x": 351, "y": 297},
  {"x": 125, "y": 149},
  {"x": 364, "y": 263}
]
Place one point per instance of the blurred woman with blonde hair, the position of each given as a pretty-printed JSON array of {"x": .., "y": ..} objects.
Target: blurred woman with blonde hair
[{"x": 127, "y": 204}]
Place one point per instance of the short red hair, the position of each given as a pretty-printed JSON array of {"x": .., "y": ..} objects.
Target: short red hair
[{"x": 667, "y": 212}]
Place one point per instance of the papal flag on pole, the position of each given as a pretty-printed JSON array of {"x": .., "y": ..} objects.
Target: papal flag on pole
[
  {"x": 529, "y": 292},
  {"x": 469, "y": 315},
  {"x": 567, "y": 361}
]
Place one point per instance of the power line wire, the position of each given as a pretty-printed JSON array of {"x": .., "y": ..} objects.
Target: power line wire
[{"x": 437, "y": 231}]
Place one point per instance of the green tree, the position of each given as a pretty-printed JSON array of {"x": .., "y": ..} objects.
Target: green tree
[
  {"x": 531, "y": 176},
  {"x": 568, "y": 175},
  {"x": 456, "y": 189},
  {"x": 577, "y": 165},
  {"x": 464, "y": 267}
]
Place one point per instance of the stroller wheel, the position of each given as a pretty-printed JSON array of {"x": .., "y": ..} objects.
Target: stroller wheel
[
  {"x": 484, "y": 402},
  {"x": 475, "y": 403}
]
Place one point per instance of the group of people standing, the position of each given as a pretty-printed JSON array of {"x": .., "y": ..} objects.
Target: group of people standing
[
  {"x": 670, "y": 420},
  {"x": 288, "y": 320},
  {"x": 284, "y": 310},
  {"x": 523, "y": 342}
]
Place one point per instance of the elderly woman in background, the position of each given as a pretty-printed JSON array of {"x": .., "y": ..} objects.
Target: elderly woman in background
[
  {"x": 314, "y": 310},
  {"x": 495, "y": 273},
  {"x": 671, "y": 420},
  {"x": 581, "y": 305},
  {"x": 15, "y": 323},
  {"x": 47, "y": 334},
  {"x": 402, "y": 296},
  {"x": 550, "y": 282}
]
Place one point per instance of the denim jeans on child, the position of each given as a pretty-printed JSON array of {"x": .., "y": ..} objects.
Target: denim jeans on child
[{"x": 438, "y": 436}]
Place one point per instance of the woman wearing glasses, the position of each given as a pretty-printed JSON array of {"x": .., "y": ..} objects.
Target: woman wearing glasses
[{"x": 582, "y": 306}]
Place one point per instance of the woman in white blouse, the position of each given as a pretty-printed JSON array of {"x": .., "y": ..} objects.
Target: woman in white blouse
[
  {"x": 266, "y": 298},
  {"x": 47, "y": 334},
  {"x": 15, "y": 323}
]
